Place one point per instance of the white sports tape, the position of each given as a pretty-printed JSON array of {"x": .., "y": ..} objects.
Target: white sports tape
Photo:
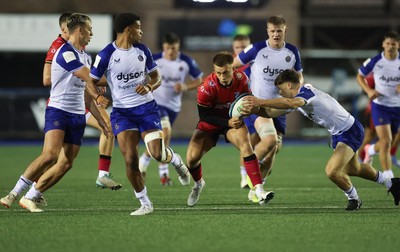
[
  {"x": 266, "y": 129},
  {"x": 153, "y": 136}
]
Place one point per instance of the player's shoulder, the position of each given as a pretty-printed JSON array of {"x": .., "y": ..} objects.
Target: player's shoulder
[
  {"x": 157, "y": 56},
  {"x": 185, "y": 57},
  {"x": 141, "y": 46},
  {"x": 65, "y": 47},
  {"x": 257, "y": 46},
  {"x": 291, "y": 47},
  {"x": 373, "y": 60},
  {"x": 108, "y": 49},
  {"x": 260, "y": 44},
  {"x": 377, "y": 57},
  {"x": 307, "y": 91},
  {"x": 59, "y": 41}
]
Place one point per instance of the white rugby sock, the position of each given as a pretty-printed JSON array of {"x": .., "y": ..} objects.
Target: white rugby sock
[
  {"x": 142, "y": 197},
  {"x": 21, "y": 185},
  {"x": 102, "y": 173},
  {"x": 383, "y": 179},
  {"x": 163, "y": 169},
  {"x": 351, "y": 193},
  {"x": 33, "y": 193}
]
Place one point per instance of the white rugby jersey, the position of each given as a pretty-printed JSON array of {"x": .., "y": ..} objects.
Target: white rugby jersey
[
  {"x": 266, "y": 64},
  {"x": 124, "y": 70},
  {"x": 67, "y": 90},
  {"x": 172, "y": 72},
  {"x": 324, "y": 110},
  {"x": 386, "y": 77}
]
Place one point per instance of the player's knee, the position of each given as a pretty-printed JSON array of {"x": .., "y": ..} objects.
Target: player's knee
[
  {"x": 49, "y": 158},
  {"x": 270, "y": 146},
  {"x": 65, "y": 166},
  {"x": 385, "y": 144},
  {"x": 157, "y": 150},
  {"x": 331, "y": 173}
]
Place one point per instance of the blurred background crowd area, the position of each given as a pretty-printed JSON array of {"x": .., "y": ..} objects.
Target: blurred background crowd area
[{"x": 334, "y": 38}]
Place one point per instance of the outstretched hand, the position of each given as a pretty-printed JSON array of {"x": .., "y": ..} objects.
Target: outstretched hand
[{"x": 251, "y": 105}]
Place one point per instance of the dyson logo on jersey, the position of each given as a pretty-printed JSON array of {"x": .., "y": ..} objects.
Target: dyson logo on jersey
[
  {"x": 170, "y": 79},
  {"x": 272, "y": 71},
  {"x": 390, "y": 79},
  {"x": 130, "y": 76}
]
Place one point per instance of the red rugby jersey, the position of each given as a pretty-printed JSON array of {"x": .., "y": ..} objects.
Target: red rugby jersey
[{"x": 212, "y": 94}]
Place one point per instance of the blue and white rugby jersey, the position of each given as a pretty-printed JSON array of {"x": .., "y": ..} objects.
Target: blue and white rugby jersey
[
  {"x": 124, "y": 70},
  {"x": 386, "y": 77},
  {"x": 172, "y": 72},
  {"x": 324, "y": 110},
  {"x": 266, "y": 64},
  {"x": 67, "y": 90}
]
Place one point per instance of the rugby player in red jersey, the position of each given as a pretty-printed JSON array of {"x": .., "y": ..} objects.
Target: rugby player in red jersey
[{"x": 214, "y": 97}]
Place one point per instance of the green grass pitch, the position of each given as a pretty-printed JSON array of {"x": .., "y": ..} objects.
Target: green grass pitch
[{"x": 307, "y": 213}]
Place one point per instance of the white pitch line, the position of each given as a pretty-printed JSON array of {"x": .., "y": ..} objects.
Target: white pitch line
[{"x": 199, "y": 208}]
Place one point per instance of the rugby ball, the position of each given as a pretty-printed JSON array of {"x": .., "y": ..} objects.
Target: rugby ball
[{"x": 237, "y": 105}]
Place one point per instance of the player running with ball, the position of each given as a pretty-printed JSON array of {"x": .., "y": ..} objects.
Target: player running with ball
[{"x": 214, "y": 96}]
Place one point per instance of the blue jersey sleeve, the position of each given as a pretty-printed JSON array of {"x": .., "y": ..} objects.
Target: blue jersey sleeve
[
  {"x": 101, "y": 62},
  {"x": 305, "y": 93},
  {"x": 297, "y": 65},
  {"x": 68, "y": 59},
  {"x": 194, "y": 69},
  {"x": 151, "y": 65},
  {"x": 249, "y": 54},
  {"x": 368, "y": 65}
]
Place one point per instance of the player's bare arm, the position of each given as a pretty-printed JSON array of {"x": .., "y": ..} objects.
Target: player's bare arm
[
  {"x": 94, "y": 110},
  {"x": 102, "y": 82},
  {"x": 182, "y": 87},
  {"x": 47, "y": 74},
  {"x": 154, "y": 81},
  {"x": 271, "y": 107},
  {"x": 372, "y": 93},
  {"x": 281, "y": 103},
  {"x": 91, "y": 88}
]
